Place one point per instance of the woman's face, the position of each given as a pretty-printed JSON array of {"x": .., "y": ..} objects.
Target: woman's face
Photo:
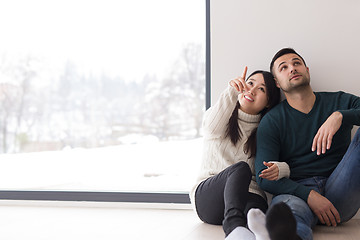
[{"x": 255, "y": 99}]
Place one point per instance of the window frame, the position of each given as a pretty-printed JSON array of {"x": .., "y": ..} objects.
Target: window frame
[{"x": 138, "y": 197}]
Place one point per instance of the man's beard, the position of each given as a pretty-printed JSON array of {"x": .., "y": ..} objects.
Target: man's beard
[{"x": 297, "y": 86}]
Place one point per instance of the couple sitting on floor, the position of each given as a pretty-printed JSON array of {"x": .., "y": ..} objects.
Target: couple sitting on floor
[{"x": 299, "y": 150}]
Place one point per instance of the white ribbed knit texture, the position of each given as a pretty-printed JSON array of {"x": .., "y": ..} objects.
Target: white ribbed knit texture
[
  {"x": 284, "y": 170},
  {"x": 219, "y": 152}
]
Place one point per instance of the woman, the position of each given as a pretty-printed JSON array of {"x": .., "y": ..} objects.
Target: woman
[{"x": 226, "y": 188}]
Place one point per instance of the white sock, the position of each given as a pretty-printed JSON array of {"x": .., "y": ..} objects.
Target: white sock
[
  {"x": 256, "y": 223},
  {"x": 240, "y": 233}
]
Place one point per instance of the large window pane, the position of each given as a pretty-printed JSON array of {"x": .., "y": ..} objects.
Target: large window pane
[{"x": 101, "y": 95}]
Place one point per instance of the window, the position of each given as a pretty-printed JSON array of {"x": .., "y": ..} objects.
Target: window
[{"x": 101, "y": 96}]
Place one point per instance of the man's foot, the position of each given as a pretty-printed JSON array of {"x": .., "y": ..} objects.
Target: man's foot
[{"x": 281, "y": 223}]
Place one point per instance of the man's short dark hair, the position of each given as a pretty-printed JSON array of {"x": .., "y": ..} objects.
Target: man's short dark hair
[{"x": 281, "y": 53}]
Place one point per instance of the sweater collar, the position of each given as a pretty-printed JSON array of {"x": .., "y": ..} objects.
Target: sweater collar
[{"x": 248, "y": 117}]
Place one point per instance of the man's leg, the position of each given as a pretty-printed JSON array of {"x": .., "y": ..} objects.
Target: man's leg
[
  {"x": 305, "y": 219},
  {"x": 343, "y": 186}
]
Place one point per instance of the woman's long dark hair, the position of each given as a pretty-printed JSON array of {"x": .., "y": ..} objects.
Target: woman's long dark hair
[{"x": 233, "y": 130}]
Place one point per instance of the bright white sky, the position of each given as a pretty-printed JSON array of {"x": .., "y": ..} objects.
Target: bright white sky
[{"x": 121, "y": 37}]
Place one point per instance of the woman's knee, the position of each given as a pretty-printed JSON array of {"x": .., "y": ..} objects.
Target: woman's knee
[{"x": 241, "y": 169}]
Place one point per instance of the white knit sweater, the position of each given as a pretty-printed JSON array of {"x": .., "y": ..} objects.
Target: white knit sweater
[{"x": 219, "y": 152}]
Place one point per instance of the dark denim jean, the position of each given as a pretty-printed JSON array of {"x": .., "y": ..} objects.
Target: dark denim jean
[{"x": 342, "y": 188}]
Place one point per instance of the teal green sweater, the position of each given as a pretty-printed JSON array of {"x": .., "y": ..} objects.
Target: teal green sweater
[{"x": 286, "y": 135}]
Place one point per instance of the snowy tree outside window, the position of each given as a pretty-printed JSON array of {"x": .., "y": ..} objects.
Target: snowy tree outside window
[{"x": 101, "y": 95}]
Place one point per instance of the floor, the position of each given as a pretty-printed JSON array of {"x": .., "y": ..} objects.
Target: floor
[{"x": 82, "y": 220}]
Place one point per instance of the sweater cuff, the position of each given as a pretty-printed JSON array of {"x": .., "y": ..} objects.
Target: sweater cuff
[
  {"x": 303, "y": 192},
  {"x": 284, "y": 170},
  {"x": 349, "y": 116}
]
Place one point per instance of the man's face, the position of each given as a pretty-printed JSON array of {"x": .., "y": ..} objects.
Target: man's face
[{"x": 290, "y": 72}]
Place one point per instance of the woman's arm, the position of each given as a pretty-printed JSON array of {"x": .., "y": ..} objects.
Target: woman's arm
[{"x": 217, "y": 117}]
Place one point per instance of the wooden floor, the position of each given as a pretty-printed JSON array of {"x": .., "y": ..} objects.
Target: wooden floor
[
  {"x": 348, "y": 231},
  {"x": 106, "y": 221}
]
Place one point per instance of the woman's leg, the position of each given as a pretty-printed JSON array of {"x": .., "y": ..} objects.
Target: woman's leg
[
  {"x": 255, "y": 211},
  {"x": 256, "y": 201},
  {"x": 222, "y": 199}
]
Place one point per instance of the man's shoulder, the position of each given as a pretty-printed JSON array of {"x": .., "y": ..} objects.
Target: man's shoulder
[
  {"x": 330, "y": 94},
  {"x": 335, "y": 96}
]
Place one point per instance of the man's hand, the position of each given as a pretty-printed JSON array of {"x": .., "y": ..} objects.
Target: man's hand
[
  {"x": 271, "y": 173},
  {"x": 323, "y": 138},
  {"x": 323, "y": 208}
]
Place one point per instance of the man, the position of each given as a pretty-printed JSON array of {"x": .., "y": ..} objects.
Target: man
[{"x": 311, "y": 132}]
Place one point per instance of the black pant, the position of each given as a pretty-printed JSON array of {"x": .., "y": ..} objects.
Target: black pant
[{"x": 225, "y": 198}]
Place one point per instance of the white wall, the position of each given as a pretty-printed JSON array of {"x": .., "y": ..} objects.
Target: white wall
[
  {"x": 249, "y": 32},
  {"x": 326, "y": 33}
]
